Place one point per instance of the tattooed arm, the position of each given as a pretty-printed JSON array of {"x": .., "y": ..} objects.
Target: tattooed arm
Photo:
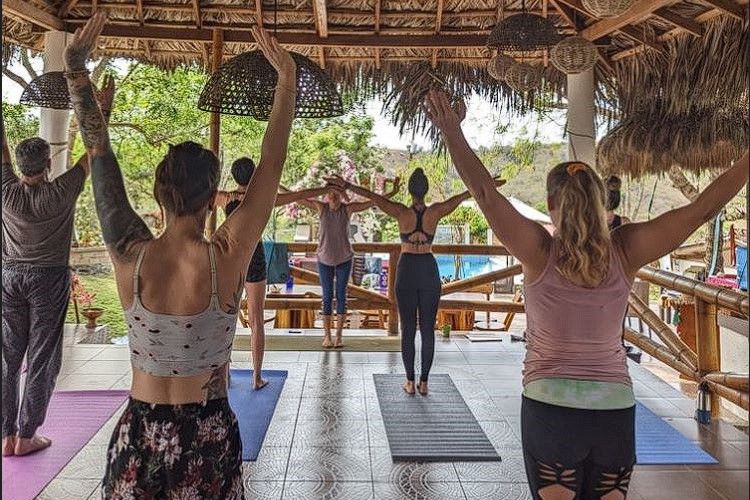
[
  {"x": 121, "y": 227},
  {"x": 9, "y": 175}
]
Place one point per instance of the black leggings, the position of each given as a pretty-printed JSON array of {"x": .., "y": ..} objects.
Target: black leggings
[
  {"x": 417, "y": 290},
  {"x": 589, "y": 452}
]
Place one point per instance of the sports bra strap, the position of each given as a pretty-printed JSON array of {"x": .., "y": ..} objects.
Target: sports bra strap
[
  {"x": 419, "y": 214},
  {"x": 214, "y": 287},
  {"x": 137, "y": 272}
]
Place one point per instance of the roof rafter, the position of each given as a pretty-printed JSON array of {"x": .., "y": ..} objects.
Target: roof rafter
[
  {"x": 259, "y": 12},
  {"x": 727, "y": 6},
  {"x": 33, "y": 14},
  {"x": 197, "y": 13},
  {"x": 66, "y": 7},
  {"x": 641, "y": 10},
  {"x": 641, "y": 38},
  {"x": 685, "y": 23},
  {"x": 321, "y": 17},
  {"x": 139, "y": 8}
]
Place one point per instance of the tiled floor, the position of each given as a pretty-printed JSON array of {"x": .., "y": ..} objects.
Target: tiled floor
[{"x": 327, "y": 439}]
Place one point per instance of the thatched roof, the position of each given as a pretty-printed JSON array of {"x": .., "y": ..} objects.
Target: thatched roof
[
  {"x": 373, "y": 45},
  {"x": 687, "y": 106}
]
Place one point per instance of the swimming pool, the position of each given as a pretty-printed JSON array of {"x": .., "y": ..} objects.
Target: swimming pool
[{"x": 471, "y": 265}]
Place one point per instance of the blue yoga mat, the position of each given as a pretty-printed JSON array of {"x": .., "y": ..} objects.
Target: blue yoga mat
[
  {"x": 254, "y": 409},
  {"x": 658, "y": 443}
]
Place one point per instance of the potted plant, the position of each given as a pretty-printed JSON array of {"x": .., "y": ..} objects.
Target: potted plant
[
  {"x": 446, "y": 329},
  {"x": 85, "y": 299}
]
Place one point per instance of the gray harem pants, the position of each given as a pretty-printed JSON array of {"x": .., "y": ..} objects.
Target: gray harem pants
[{"x": 35, "y": 300}]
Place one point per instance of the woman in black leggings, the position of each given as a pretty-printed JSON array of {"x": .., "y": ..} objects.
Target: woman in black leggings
[{"x": 417, "y": 278}]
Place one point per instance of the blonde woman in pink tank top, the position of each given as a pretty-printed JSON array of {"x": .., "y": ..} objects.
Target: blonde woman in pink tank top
[{"x": 578, "y": 413}]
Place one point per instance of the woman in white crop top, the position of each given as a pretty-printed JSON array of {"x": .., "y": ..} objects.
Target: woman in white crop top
[{"x": 180, "y": 292}]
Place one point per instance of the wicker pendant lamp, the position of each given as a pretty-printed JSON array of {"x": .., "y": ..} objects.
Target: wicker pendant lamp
[
  {"x": 607, "y": 8},
  {"x": 245, "y": 85},
  {"x": 574, "y": 54},
  {"x": 48, "y": 90},
  {"x": 498, "y": 66},
  {"x": 523, "y": 77},
  {"x": 523, "y": 32}
]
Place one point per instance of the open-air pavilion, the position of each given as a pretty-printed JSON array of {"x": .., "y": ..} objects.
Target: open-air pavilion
[{"x": 670, "y": 74}]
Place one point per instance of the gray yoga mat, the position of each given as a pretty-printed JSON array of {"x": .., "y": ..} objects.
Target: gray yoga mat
[{"x": 438, "y": 427}]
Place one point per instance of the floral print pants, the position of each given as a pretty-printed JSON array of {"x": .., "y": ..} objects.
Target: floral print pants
[{"x": 175, "y": 452}]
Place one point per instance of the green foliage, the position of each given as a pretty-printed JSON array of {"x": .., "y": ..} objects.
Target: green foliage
[
  {"x": 471, "y": 216},
  {"x": 20, "y": 123},
  {"x": 105, "y": 288}
]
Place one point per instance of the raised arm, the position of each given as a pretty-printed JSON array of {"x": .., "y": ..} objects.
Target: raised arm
[
  {"x": 445, "y": 207},
  {"x": 644, "y": 242},
  {"x": 391, "y": 208},
  {"x": 121, "y": 227},
  {"x": 303, "y": 197},
  {"x": 360, "y": 206},
  {"x": 247, "y": 222},
  {"x": 521, "y": 236},
  {"x": 9, "y": 174}
]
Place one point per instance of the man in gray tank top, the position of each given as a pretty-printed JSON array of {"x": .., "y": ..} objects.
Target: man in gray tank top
[{"x": 37, "y": 230}]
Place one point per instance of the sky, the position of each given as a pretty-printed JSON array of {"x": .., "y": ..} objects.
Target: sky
[{"x": 479, "y": 126}]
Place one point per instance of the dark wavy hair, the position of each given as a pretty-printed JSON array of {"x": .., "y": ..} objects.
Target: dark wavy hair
[
  {"x": 186, "y": 179},
  {"x": 614, "y": 184},
  {"x": 242, "y": 170}
]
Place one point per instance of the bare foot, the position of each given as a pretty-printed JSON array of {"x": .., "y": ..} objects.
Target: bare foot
[
  {"x": 422, "y": 387},
  {"x": 9, "y": 446},
  {"x": 259, "y": 383},
  {"x": 339, "y": 342},
  {"x": 25, "y": 446},
  {"x": 327, "y": 343},
  {"x": 409, "y": 387}
]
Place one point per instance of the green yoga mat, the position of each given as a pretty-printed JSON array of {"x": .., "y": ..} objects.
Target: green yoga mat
[{"x": 354, "y": 343}]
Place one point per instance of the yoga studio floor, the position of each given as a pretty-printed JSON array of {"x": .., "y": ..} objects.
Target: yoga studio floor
[{"x": 327, "y": 439}]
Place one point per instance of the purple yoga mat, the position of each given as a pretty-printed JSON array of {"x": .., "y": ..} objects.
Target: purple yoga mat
[{"x": 73, "y": 417}]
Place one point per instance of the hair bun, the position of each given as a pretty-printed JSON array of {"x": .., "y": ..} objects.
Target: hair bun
[{"x": 614, "y": 183}]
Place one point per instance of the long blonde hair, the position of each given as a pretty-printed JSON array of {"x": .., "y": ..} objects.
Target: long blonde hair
[{"x": 582, "y": 233}]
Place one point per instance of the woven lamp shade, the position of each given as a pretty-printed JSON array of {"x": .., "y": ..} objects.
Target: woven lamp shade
[
  {"x": 245, "y": 85},
  {"x": 607, "y": 8},
  {"x": 573, "y": 55},
  {"x": 523, "y": 33},
  {"x": 498, "y": 66},
  {"x": 523, "y": 77},
  {"x": 49, "y": 90}
]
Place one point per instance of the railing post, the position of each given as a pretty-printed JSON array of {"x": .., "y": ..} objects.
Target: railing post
[
  {"x": 707, "y": 344},
  {"x": 393, "y": 312}
]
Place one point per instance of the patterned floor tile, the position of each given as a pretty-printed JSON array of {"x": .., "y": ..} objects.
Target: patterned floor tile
[
  {"x": 384, "y": 469},
  {"x": 263, "y": 490},
  {"x": 419, "y": 491},
  {"x": 70, "y": 489},
  {"x": 329, "y": 465},
  {"x": 89, "y": 463},
  {"x": 496, "y": 491},
  {"x": 270, "y": 466},
  {"x": 328, "y": 490},
  {"x": 339, "y": 433},
  {"x": 327, "y": 410},
  {"x": 510, "y": 469}
]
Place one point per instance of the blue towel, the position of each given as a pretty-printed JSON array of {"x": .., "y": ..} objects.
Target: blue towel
[
  {"x": 254, "y": 409},
  {"x": 658, "y": 443}
]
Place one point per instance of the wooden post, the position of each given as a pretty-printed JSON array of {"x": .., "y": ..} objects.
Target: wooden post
[
  {"x": 217, "y": 48},
  {"x": 394, "y": 255},
  {"x": 707, "y": 343}
]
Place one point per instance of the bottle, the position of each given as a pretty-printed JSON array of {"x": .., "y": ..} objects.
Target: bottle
[
  {"x": 290, "y": 282},
  {"x": 383, "y": 279}
]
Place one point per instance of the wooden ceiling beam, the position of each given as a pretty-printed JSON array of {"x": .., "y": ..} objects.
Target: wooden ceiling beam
[
  {"x": 198, "y": 14},
  {"x": 641, "y": 10},
  {"x": 321, "y": 17},
  {"x": 65, "y": 8},
  {"x": 685, "y": 23},
  {"x": 567, "y": 14},
  {"x": 139, "y": 9},
  {"x": 634, "y": 34},
  {"x": 727, "y": 6},
  {"x": 442, "y": 41},
  {"x": 259, "y": 12},
  {"x": 32, "y": 14}
]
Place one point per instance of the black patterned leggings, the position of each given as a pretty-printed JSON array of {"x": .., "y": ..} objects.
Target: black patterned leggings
[
  {"x": 35, "y": 300},
  {"x": 418, "y": 296},
  {"x": 175, "y": 451}
]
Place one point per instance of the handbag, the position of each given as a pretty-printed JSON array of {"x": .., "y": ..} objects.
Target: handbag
[{"x": 277, "y": 262}]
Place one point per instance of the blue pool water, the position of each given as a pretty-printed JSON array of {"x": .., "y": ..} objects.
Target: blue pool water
[{"x": 471, "y": 265}]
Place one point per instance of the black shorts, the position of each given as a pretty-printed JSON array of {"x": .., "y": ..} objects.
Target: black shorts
[
  {"x": 590, "y": 452},
  {"x": 256, "y": 271}
]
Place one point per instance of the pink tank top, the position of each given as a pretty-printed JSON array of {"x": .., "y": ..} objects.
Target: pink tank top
[{"x": 575, "y": 332}]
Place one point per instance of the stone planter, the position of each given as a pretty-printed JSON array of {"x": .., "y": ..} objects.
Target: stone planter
[{"x": 92, "y": 314}]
